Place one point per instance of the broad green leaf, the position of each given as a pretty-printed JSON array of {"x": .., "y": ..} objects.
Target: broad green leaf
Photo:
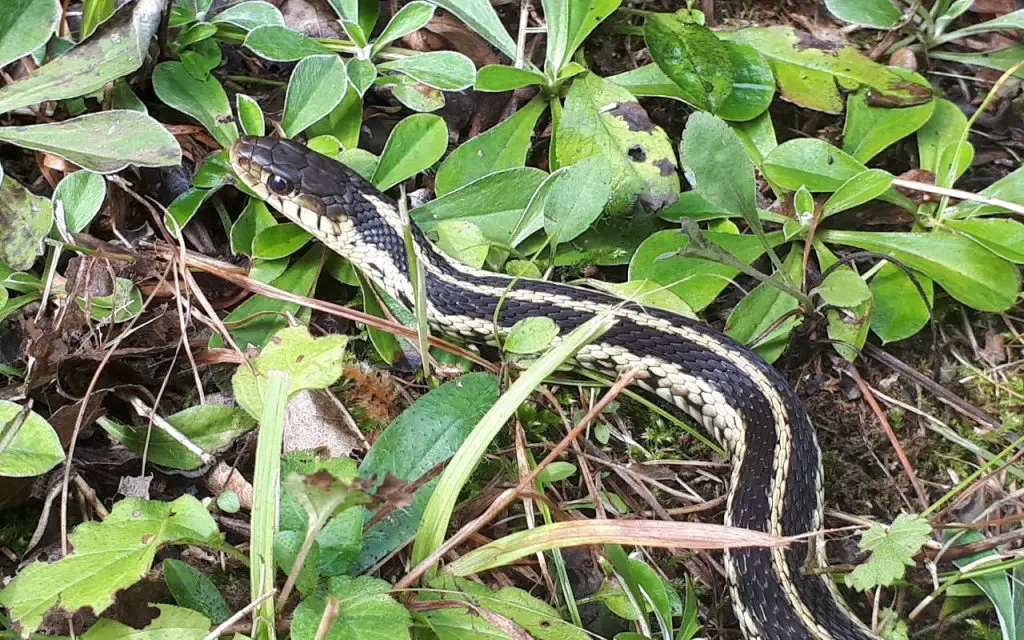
[
  {"x": 182, "y": 208},
  {"x": 1001, "y": 59},
  {"x": 25, "y": 219},
  {"x": 899, "y": 311},
  {"x": 250, "y": 15},
  {"x": 444, "y": 70},
  {"x": 692, "y": 57},
  {"x": 763, "y": 307},
  {"x": 879, "y": 14},
  {"x": 954, "y": 160},
  {"x": 211, "y": 427},
  {"x": 281, "y": 44},
  {"x": 26, "y": 25},
  {"x": 411, "y": 17},
  {"x": 576, "y": 198},
  {"x": 531, "y": 335},
  {"x": 870, "y": 129},
  {"x": 717, "y": 166},
  {"x": 28, "y": 446},
  {"x": 969, "y": 272},
  {"x": 502, "y": 147},
  {"x": 173, "y": 623},
  {"x": 362, "y": 162},
  {"x": 463, "y": 240},
  {"x": 499, "y": 77},
  {"x": 1013, "y": 21},
  {"x": 697, "y": 281},
  {"x": 287, "y": 545},
  {"x": 214, "y": 172},
  {"x": 268, "y": 270},
  {"x": 196, "y": 32},
  {"x": 1003, "y": 588},
  {"x": 365, "y": 610},
  {"x": 603, "y": 119},
  {"x": 556, "y": 471},
  {"x": 315, "y": 88},
  {"x": 891, "y": 551},
  {"x": 1010, "y": 187},
  {"x": 860, "y": 188},
  {"x": 753, "y": 85},
  {"x": 1001, "y": 236},
  {"x": 584, "y": 16},
  {"x": 204, "y": 100},
  {"x": 314, "y": 363},
  {"x": 416, "y": 143},
  {"x": 254, "y": 218},
  {"x": 250, "y": 116},
  {"x": 424, "y": 435},
  {"x": 843, "y": 288},
  {"x": 757, "y": 136},
  {"x": 115, "y": 50},
  {"x": 607, "y": 243},
  {"x": 848, "y": 327},
  {"x": 945, "y": 127},
  {"x": 481, "y": 17},
  {"x": 412, "y": 94},
  {"x": 814, "y": 73},
  {"x": 344, "y": 122},
  {"x": 495, "y": 203},
  {"x": 646, "y": 293},
  {"x": 192, "y": 589},
  {"x": 104, "y": 142},
  {"x": 256, "y": 319},
  {"x": 361, "y": 74},
  {"x": 108, "y": 556}
]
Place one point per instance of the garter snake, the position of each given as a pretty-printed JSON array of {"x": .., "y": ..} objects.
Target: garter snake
[{"x": 775, "y": 483}]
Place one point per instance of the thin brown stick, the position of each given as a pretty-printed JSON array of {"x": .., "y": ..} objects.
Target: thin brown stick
[
  {"x": 900, "y": 453},
  {"x": 510, "y": 496}
]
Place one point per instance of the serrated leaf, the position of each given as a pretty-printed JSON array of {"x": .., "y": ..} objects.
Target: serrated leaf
[
  {"x": 108, "y": 556},
  {"x": 892, "y": 550}
]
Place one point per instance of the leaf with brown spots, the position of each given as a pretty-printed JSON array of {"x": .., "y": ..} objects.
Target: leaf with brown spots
[{"x": 25, "y": 219}]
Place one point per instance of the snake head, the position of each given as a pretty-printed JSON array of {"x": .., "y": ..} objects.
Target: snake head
[{"x": 285, "y": 174}]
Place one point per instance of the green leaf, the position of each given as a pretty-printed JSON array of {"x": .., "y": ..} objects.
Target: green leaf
[
  {"x": 494, "y": 203},
  {"x": 173, "y": 622},
  {"x": 312, "y": 363},
  {"x": 281, "y": 44},
  {"x": 104, "y": 142},
  {"x": 858, "y": 189},
  {"x": 250, "y": 15},
  {"x": 811, "y": 163},
  {"x": 870, "y": 129},
  {"x": 186, "y": 205},
  {"x": 250, "y": 115},
  {"x": 279, "y": 241},
  {"x": 344, "y": 122},
  {"x": 644, "y": 292},
  {"x": 1001, "y": 236},
  {"x": 361, "y": 74},
  {"x": 192, "y": 589},
  {"x": 576, "y": 198},
  {"x": 531, "y": 335},
  {"x": 969, "y": 272},
  {"x": 717, "y": 166},
  {"x": 697, "y": 281},
  {"x": 25, "y": 219},
  {"x": 256, "y": 319},
  {"x": 463, "y": 240},
  {"x": 848, "y": 327},
  {"x": 1009, "y": 187},
  {"x": 899, "y": 311},
  {"x": 763, "y": 307},
  {"x": 26, "y": 25},
  {"x": 753, "y": 85},
  {"x": 253, "y": 219},
  {"x": 28, "y": 444},
  {"x": 416, "y": 96},
  {"x": 813, "y": 73},
  {"x": 843, "y": 288},
  {"x": 416, "y": 143},
  {"x": 480, "y": 16},
  {"x": 123, "y": 304},
  {"x": 891, "y": 550},
  {"x": 946, "y": 126},
  {"x": 879, "y": 14},
  {"x": 108, "y": 556},
  {"x": 315, "y": 88},
  {"x": 211, "y": 427},
  {"x": 204, "y": 100},
  {"x": 1013, "y": 21},
  {"x": 115, "y": 50},
  {"x": 603, "y": 119},
  {"x": 444, "y": 70},
  {"x": 692, "y": 57},
  {"x": 365, "y": 610},
  {"x": 499, "y": 77},
  {"x": 502, "y": 147},
  {"x": 556, "y": 471},
  {"x": 229, "y": 502},
  {"x": 424, "y": 435},
  {"x": 1001, "y": 59},
  {"x": 411, "y": 17}
]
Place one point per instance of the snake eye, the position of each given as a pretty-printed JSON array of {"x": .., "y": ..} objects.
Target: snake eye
[{"x": 280, "y": 185}]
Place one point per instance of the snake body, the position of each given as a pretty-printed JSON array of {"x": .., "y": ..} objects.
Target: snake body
[{"x": 776, "y": 480}]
